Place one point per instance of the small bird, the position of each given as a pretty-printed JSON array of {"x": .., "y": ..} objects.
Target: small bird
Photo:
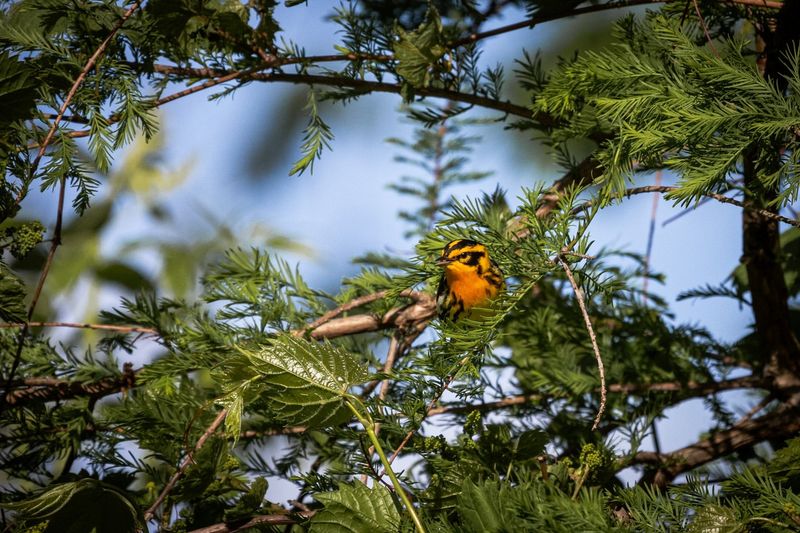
[{"x": 470, "y": 279}]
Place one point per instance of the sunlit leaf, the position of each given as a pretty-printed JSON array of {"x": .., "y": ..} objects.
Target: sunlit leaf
[{"x": 356, "y": 509}]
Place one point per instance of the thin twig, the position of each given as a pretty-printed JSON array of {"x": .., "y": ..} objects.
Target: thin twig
[
  {"x": 61, "y": 192},
  {"x": 714, "y": 196},
  {"x": 757, "y": 407},
  {"x": 448, "y": 381},
  {"x": 593, "y": 338},
  {"x": 258, "y": 520},
  {"x": 391, "y": 357},
  {"x": 189, "y": 459},
  {"x": 81, "y": 325},
  {"x": 538, "y": 19},
  {"x": 705, "y": 28},
  {"x": 650, "y": 237}
]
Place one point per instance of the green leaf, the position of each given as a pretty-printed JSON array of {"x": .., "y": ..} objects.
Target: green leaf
[
  {"x": 234, "y": 404},
  {"x": 12, "y": 294},
  {"x": 316, "y": 136},
  {"x": 249, "y": 503},
  {"x": 482, "y": 508},
  {"x": 203, "y": 471},
  {"x": 124, "y": 275},
  {"x": 530, "y": 444},
  {"x": 356, "y": 508},
  {"x": 306, "y": 381},
  {"x": 418, "y": 51},
  {"x": 17, "y": 90},
  {"x": 84, "y": 505}
]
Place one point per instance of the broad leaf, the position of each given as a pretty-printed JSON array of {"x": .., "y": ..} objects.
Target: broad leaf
[
  {"x": 358, "y": 509},
  {"x": 306, "y": 381},
  {"x": 482, "y": 508},
  {"x": 249, "y": 503},
  {"x": 85, "y": 505},
  {"x": 418, "y": 51},
  {"x": 17, "y": 89}
]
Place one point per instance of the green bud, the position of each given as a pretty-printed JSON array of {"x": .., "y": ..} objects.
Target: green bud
[{"x": 474, "y": 423}]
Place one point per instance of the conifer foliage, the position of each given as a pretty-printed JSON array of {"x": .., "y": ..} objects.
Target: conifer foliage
[{"x": 385, "y": 417}]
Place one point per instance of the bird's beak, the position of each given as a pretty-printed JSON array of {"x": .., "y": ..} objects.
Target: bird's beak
[{"x": 443, "y": 262}]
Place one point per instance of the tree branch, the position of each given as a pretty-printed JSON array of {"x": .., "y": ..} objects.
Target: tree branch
[
  {"x": 270, "y": 519},
  {"x": 690, "y": 389},
  {"x": 588, "y": 321},
  {"x": 761, "y": 247},
  {"x": 781, "y": 423},
  {"x": 765, "y": 213},
  {"x": 411, "y": 318},
  {"x": 548, "y": 17},
  {"x": 48, "y": 389},
  {"x": 81, "y": 325},
  {"x": 424, "y": 309}
]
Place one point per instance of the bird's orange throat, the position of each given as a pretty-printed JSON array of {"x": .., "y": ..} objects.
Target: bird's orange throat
[{"x": 471, "y": 288}]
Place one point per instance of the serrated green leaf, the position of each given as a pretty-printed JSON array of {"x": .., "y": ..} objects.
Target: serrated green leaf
[
  {"x": 482, "y": 509},
  {"x": 419, "y": 50},
  {"x": 358, "y": 509},
  {"x": 234, "y": 403},
  {"x": 84, "y": 505},
  {"x": 306, "y": 381}
]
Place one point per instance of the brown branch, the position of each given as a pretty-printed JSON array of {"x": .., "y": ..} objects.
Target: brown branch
[
  {"x": 548, "y": 17},
  {"x": 781, "y": 423},
  {"x": 412, "y": 318},
  {"x": 360, "y": 84},
  {"x": 690, "y": 388},
  {"x": 56, "y": 241},
  {"x": 271, "y": 519},
  {"x": 585, "y": 173},
  {"x": 538, "y": 19},
  {"x": 593, "y": 338},
  {"x": 81, "y": 325},
  {"x": 714, "y": 196},
  {"x": 352, "y": 304},
  {"x": 422, "y": 310},
  {"x": 695, "y": 387},
  {"x": 189, "y": 459},
  {"x": 511, "y": 401},
  {"x": 705, "y": 28},
  {"x": 47, "y": 389}
]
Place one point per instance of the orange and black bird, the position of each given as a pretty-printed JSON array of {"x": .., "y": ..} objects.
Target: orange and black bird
[{"x": 470, "y": 279}]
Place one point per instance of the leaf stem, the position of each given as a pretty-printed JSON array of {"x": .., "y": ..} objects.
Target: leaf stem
[{"x": 369, "y": 426}]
